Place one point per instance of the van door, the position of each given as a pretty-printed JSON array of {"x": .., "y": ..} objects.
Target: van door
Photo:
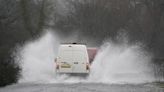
[
  {"x": 66, "y": 61},
  {"x": 79, "y": 61}
]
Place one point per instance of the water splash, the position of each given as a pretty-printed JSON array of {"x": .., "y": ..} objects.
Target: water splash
[
  {"x": 114, "y": 63},
  {"x": 121, "y": 63},
  {"x": 38, "y": 59}
]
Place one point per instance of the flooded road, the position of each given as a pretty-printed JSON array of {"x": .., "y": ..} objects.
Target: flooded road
[
  {"x": 82, "y": 87},
  {"x": 116, "y": 68}
]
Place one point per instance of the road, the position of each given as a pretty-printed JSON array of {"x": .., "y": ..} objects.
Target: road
[{"x": 82, "y": 87}]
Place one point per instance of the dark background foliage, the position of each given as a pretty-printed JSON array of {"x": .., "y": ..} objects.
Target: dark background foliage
[{"x": 94, "y": 20}]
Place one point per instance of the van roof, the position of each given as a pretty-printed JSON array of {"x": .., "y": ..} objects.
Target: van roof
[
  {"x": 75, "y": 43},
  {"x": 74, "y": 46},
  {"x": 71, "y": 44}
]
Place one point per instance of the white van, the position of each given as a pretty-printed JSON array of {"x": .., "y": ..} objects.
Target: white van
[{"x": 72, "y": 59}]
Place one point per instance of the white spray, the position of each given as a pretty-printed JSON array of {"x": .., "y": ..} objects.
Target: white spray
[
  {"x": 38, "y": 59},
  {"x": 114, "y": 63},
  {"x": 117, "y": 63}
]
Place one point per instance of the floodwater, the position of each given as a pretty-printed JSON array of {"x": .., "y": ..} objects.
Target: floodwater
[
  {"x": 118, "y": 67},
  {"x": 82, "y": 87}
]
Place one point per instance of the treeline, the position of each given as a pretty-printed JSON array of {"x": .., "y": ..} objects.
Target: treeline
[
  {"x": 92, "y": 20},
  {"x": 142, "y": 20},
  {"x": 20, "y": 20}
]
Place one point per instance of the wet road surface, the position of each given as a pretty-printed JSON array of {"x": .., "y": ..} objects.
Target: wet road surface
[{"x": 82, "y": 87}]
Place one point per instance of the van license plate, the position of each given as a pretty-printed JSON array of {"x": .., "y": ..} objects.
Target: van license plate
[{"x": 65, "y": 66}]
